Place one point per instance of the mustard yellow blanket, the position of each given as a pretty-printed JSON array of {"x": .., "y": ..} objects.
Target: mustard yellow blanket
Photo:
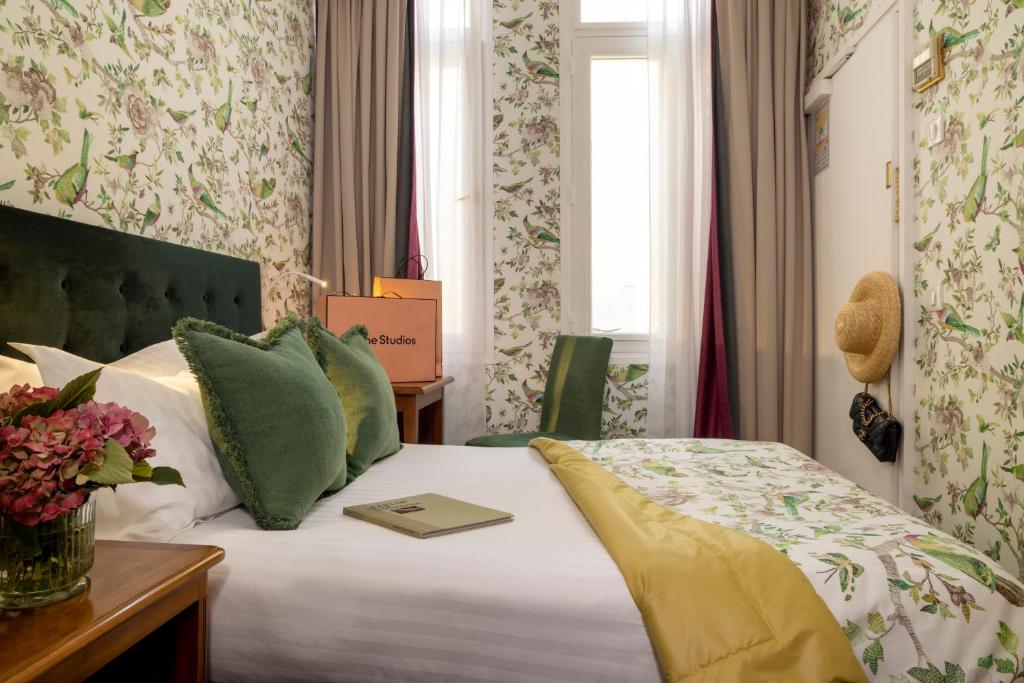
[{"x": 718, "y": 605}]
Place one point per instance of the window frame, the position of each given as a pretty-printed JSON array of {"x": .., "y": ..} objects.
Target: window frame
[{"x": 588, "y": 40}]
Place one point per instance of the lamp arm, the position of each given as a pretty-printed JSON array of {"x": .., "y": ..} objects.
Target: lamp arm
[{"x": 304, "y": 276}]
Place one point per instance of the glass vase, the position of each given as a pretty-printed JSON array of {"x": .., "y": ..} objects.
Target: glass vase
[{"x": 47, "y": 563}]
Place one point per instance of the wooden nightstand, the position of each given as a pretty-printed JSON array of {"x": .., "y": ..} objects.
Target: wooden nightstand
[
  {"x": 413, "y": 397},
  {"x": 143, "y": 618}
]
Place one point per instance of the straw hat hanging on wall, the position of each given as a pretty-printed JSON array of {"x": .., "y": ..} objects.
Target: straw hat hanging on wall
[{"x": 868, "y": 327}]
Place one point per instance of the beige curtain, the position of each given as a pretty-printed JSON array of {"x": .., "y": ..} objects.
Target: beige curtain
[
  {"x": 360, "y": 59},
  {"x": 766, "y": 222}
]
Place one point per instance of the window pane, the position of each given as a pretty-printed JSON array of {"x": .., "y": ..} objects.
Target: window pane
[
  {"x": 620, "y": 225},
  {"x": 598, "y": 11}
]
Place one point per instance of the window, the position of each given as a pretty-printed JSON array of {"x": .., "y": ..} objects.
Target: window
[
  {"x": 620, "y": 226},
  {"x": 613, "y": 11},
  {"x": 607, "y": 263}
]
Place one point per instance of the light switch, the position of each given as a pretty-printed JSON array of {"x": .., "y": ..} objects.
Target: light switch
[{"x": 936, "y": 130}]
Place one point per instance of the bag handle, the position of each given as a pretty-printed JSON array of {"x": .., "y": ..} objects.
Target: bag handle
[
  {"x": 888, "y": 383},
  {"x": 402, "y": 269}
]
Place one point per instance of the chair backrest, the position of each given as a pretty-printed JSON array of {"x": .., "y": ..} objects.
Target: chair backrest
[{"x": 574, "y": 394}]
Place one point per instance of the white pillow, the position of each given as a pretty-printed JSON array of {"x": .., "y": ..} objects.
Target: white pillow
[
  {"x": 14, "y": 372},
  {"x": 173, "y": 405},
  {"x": 159, "y": 360}
]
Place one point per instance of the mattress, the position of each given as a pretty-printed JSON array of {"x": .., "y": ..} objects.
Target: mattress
[{"x": 338, "y": 599}]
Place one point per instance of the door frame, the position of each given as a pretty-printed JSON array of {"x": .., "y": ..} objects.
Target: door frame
[{"x": 904, "y": 251}]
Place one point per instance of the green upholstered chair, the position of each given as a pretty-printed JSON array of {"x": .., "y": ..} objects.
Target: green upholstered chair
[{"x": 573, "y": 396}]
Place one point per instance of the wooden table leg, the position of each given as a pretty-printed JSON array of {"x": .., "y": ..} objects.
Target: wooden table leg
[
  {"x": 410, "y": 419},
  {"x": 437, "y": 421}
]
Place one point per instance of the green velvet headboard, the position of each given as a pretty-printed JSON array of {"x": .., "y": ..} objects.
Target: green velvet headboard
[{"x": 103, "y": 294}]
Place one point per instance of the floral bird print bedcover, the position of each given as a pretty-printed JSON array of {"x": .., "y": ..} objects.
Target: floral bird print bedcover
[{"x": 915, "y": 603}]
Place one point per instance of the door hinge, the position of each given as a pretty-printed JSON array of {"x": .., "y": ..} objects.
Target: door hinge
[{"x": 892, "y": 181}]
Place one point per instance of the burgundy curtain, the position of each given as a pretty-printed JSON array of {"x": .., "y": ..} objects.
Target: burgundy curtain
[
  {"x": 409, "y": 240},
  {"x": 414, "y": 272},
  {"x": 713, "y": 417}
]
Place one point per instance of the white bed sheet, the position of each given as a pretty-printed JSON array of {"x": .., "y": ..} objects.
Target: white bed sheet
[{"x": 338, "y": 599}]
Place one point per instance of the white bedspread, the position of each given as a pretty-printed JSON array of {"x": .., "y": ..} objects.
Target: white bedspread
[{"x": 338, "y": 599}]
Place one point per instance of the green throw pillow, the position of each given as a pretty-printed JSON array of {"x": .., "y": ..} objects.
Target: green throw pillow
[
  {"x": 365, "y": 392},
  {"x": 276, "y": 422}
]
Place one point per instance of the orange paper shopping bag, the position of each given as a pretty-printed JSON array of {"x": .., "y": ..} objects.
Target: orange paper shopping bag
[
  {"x": 396, "y": 287},
  {"x": 401, "y": 331}
]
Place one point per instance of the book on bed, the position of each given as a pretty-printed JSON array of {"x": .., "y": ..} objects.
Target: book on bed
[{"x": 427, "y": 515}]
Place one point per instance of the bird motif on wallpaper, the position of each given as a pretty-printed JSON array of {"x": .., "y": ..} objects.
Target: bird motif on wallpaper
[
  {"x": 951, "y": 37},
  {"x": 974, "y": 496},
  {"x": 936, "y": 548},
  {"x": 69, "y": 188},
  {"x": 976, "y": 197},
  {"x": 117, "y": 33},
  {"x": 152, "y": 212},
  {"x": 202, "y": 195},
  {"x": 626, "y": 373},
  {"x": 151, "y": 8},
  {"x": 924, "y": 503},
  {"x": 1016, "y": 470},
  {"x": 69, "y": 8},
  {"x": 263, "y": 187},
  {"x": 950, "y": 319},
  {"x": 295, "y": 144},
  {"x": 515, "y": 187},
  {"x": 846, "y": 13},
  {"x": 538, "y": 233},
  {"x": 926, "y": 241},
  {"x": 534, "y": 396},
  {"x": 125, "y": 161},
  {"x": 513, "y": 24},
  {"x": 1015, "y": 325},
  {"x": 1016, "y": 141},
  {"x": 513, "y": 351},
  {"x": 222, "y": 118},
  {"x": 179, "y": 116},
  {"x": 539, "y": 68}
]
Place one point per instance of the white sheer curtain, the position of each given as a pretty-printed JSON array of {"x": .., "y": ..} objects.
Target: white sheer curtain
[
  {"x": 450, "y": 114},
  {"x": 679, "y": 59}
]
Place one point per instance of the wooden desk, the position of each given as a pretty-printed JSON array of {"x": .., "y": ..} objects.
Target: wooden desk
[
  {"x": 143, "y": 618},
  {"x": 413, "y": 398}
]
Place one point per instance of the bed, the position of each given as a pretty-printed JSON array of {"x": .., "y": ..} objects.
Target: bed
[{"x": 537, "y": 599}]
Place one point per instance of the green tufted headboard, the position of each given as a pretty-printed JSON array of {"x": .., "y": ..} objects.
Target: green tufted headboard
[{"x": 103, "y": 294}]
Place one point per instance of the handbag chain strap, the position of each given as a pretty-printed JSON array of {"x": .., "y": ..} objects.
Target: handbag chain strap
[{"x": 888, "y": 381}]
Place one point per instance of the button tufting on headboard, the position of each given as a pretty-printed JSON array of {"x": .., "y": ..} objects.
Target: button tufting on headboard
[{"x": 101, "y": 293}]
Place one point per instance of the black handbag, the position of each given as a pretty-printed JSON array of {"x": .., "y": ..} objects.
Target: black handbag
[{"x": 876, "y": 428}]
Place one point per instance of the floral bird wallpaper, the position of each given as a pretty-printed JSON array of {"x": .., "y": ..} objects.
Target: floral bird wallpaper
[
  {"x": 183, "y": 120},
  {"x": 970, "y": 243},
  {"x": 832, "y": 24},
  {"x": 527, "y": 230}
]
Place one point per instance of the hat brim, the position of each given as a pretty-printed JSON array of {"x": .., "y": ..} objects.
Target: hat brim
[{"x": 881, "y": 288}]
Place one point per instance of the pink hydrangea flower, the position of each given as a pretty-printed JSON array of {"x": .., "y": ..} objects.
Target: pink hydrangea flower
[{"x": 41, "y": 457}]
